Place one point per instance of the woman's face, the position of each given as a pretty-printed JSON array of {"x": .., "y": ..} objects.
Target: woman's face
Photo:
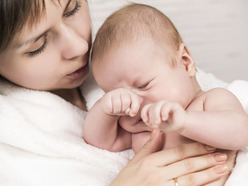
[{"x": 54, "y": 53}]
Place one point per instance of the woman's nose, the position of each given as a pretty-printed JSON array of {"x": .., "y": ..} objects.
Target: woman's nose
[{"x": 73, "y": 44}]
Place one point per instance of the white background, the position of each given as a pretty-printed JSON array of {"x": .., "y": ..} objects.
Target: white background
[{"x": 216, "y": 31}]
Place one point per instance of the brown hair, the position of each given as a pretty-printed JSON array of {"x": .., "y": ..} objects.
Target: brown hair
[
  {"x": 130, "y": 23},
  {"x": 14, "y": 15}
]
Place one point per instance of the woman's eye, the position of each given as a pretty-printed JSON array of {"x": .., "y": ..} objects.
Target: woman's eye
[
  {"x": 39, "y": 49},
  {"x": 72, "y": 8}
]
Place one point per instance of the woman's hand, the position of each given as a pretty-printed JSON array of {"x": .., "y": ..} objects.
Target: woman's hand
[
  {"x": 190, "y": 164},
  {"x": 231, "y": 157}
]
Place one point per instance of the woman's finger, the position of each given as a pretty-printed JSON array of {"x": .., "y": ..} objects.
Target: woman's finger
[
  {"x": 153, "y": 145},
  {"x": 180, "y": 152},
  {"x": 194, "y": 164},
  {"x": 203, "y": 177}
]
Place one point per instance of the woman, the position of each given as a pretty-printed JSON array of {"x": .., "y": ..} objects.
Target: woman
[{"x": 45, "y": 46}]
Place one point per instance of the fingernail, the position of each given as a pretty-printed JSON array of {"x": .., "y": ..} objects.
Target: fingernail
[
  {"x": 220, "y": 157},
  {"x": 220, "y": 169},
  {"x": 153, "y": 133},
  {"x": 210, "y": 148},
  {"x": 132, "y": 114},
  {"x": 127, "y": 111}
]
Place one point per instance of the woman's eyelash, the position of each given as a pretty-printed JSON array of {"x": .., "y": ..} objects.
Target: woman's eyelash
[
  {"x": 39, "y": 50},
  {"x": 42, "y": 48},
  {"x": 77, "y": 7}
]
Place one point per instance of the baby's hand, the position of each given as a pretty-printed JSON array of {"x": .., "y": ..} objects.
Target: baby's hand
[
  {"x": 166, "y": 115},
  {"x": 121, "y": 102}
]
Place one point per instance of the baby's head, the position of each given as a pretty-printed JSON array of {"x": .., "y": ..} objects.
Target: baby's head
[
  {"x": 132, "y": 23},
  {"x": 136, "y": 44}
]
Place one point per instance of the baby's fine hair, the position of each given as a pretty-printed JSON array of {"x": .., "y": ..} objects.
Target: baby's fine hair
[{"x": 131, "y": 23}]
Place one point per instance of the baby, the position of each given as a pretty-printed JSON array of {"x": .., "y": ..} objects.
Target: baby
[{"x": 140, "y": 61}]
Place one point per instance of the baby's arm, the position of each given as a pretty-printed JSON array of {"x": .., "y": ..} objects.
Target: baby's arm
[
  {"x": 101, "y": 127},
  {"x": 222, "y": 122}
]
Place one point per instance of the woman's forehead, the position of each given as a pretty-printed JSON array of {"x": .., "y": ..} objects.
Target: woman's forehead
[{"x": 39, "y": 10}]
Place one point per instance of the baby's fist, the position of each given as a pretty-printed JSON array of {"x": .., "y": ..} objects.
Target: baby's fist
[
  {"x": 166, "y": 115},
  {"x": 121, "y": 102}
]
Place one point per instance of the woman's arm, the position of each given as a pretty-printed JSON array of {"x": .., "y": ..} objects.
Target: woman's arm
[{"x": 190, "y": 164}]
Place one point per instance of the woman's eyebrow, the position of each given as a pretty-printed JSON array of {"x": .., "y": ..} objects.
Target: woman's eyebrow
[{"x": 32, "y": 40}]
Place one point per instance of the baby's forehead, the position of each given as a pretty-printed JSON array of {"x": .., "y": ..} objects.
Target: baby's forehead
[{"x": 132, "y": 53}]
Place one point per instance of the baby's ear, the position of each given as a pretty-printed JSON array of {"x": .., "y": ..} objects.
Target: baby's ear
[{"x": 186, "y": 59}]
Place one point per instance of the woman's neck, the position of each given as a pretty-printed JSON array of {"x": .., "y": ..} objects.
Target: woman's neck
[{"x": 73, "y": 96}]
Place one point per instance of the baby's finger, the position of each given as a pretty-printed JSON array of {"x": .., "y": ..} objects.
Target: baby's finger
[
  {"x": 126, "y": 103},
  {"x": 165, "y": 110},
  {"x": 144, "y": 113},
  {"x": 135, "y": 104},
  {"x": 116, "y": 103},
  {"x": 162, "y": 112},
  {"x": 155, "y": 113}
]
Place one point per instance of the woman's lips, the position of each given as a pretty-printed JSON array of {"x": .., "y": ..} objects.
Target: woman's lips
[{"x": 78, "y": 73}]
